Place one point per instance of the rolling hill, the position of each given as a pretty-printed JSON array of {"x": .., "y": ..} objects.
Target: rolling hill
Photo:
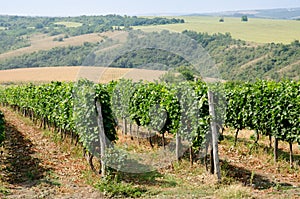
[{"x": 257, "y": 49}]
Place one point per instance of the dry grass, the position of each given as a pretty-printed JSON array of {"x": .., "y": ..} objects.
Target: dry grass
[
  {"x": 248, "y": 171},
  {"x": 234, "y": 191},
  {"x": 69, "y": 24},
  {"x": 45, "y": 74},
  {"x": 257, "y": 159},
  {"x": 45, "y": 42},
  {"x": 72, "y": 73}
]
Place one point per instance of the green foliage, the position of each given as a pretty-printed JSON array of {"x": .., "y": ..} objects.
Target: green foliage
[
  {"x": 244, "y": 18},
  {"x": 238, "y": 60},
  {"x": 144, "y": 98},
  {"x": 5, "y": 191},
  {"x": 59, "y": 56},
  {"x": 160, "y": 59},
  {"x": 174, "y": 108},
  {"x": 152, "y": 51},
  {"x": 85, "y": 116},
  {"x": 120, "y": 98},
  {"x": 186, "y": 72},
  {"x": 194, "y": 114},
  {"x": 113, "y": 188},
  {"x": 11, "y": 41},
  {"x": 68, "y": 107},
  {"x": 270, "y": 108},
  {"x": 103, "y": 94}
]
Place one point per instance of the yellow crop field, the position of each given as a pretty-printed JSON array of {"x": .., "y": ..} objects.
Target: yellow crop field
[
  {"x": 255, "y": 30},
  {"x": 72, "y": 73}
]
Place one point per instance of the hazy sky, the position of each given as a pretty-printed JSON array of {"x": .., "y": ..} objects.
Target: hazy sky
[{"x": 133, "y": 7}]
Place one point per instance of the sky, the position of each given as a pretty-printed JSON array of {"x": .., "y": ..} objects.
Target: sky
[{"x": 133, "y": 7}]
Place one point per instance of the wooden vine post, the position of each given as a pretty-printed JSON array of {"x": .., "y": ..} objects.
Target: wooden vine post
[
  {"x": 214, "y": 132},
  {"x": 178, "y": 147},
  {"x": 101, "y": 138}
]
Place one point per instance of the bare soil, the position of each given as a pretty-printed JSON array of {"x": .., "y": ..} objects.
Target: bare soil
[{"x": 33, "y": 166}]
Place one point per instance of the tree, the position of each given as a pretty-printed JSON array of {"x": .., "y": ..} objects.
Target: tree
[
  {"x": 221, "y": 20},
  {"x": 186, "y": 72},
  {"x": 39, "y": 26},
  {"x": 244, "y": 18}
]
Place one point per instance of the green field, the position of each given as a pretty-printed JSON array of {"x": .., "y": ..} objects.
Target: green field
[
  {"x": 255, "y": 30},
  {"x": 69, "y": 24}
]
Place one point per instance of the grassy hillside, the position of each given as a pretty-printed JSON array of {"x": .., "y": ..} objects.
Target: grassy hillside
[
  {"x": 236, "y": 59},
  {"x": 44, "y": 42},
  {"x": 259, "y": 48},
  {"x": 255, "y": 30},
  {"x": 16, "y": 31}
]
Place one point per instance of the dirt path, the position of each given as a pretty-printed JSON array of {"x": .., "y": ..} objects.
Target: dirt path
[
  {"x": 33, "y": 166},
  {"x": 254, "y": 61}
]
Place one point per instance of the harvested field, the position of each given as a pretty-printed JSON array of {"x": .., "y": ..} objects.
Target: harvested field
[
  {"x": 45, "y": 42},
  {"x": 71, "y": 73}
]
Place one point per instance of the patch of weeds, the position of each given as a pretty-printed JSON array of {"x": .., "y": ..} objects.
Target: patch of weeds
[
  {"x": 52, "y": 179},
  {"x": 112, "y": 188},
  {"x": 233, "y": 191},
  {"x": 176, "y": 166},
  {"x": 30, "y": 175},
  {"x": 4, "y": 190},
  {"x": 253, "y": 137},
  {"x": 170, "y": 181},
  {"x": 147, "y": 177},
  {"x": 225, "y": 170},
  {"x": 88, "y": 176},
  {"x": 77, "y": 152},
  {"x": 254, "y": 148},
  {"x": 47, "y": 133},
  {"x": 54, "y": 136}
]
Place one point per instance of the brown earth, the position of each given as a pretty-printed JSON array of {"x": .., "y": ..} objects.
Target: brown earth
[
  {"x": 33, "y": 166},
  {"x": 72, "y": 73}
]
